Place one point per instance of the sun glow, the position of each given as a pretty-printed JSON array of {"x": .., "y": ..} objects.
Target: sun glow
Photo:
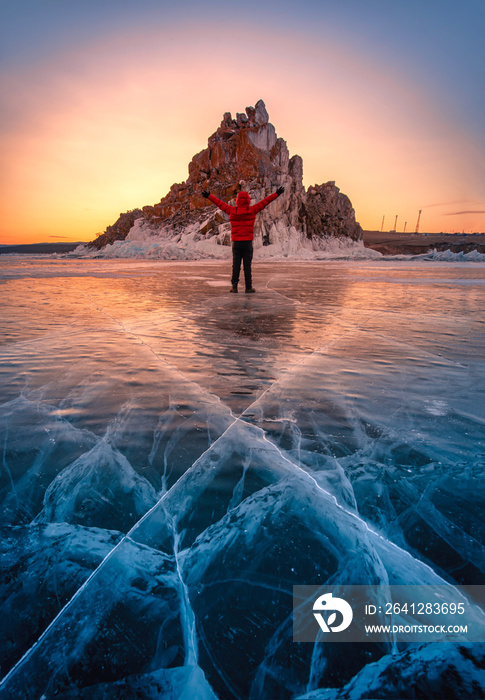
[{"x": 113, "y": 126}]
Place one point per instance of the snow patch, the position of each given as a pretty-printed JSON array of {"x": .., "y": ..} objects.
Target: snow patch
[
  {"x": 449, "y": 256},
  {"x": 146, "y": 242}
]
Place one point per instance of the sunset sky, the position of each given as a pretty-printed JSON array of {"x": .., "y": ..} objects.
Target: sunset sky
[{"x": 105, "y": 102}]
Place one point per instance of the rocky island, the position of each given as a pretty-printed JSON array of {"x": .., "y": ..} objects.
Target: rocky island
[{"x": 244, "y": 153}]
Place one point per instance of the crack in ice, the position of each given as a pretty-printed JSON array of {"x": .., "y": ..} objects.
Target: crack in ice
[
  {"x": 190, "y": 635},
  {"x": 235, "y": 420}
]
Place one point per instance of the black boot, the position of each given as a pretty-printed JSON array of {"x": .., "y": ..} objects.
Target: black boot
[{"x": 251, "y": 290}]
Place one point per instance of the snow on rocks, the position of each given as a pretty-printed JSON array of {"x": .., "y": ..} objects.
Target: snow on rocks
[{"x": 243, "y": 154}]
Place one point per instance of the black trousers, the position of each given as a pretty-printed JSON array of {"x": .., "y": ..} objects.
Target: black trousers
[{"x": 242, "y": 251}]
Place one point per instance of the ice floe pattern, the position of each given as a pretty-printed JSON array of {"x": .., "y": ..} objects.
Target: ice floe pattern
[{"x": 175, "y": 459}]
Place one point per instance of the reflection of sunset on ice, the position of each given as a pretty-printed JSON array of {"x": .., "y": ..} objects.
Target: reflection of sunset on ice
[{"x": 177, "y": 458}]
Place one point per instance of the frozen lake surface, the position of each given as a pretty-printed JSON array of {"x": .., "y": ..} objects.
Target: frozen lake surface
[{"x": 176, "y": 458}]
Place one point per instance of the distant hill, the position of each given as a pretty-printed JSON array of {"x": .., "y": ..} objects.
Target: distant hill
[
  {"x": 38, "y": 248},
  {"x": 389, "y": 243}
]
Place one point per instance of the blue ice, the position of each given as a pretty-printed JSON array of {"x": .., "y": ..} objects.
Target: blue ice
[{"x": 175, "y": 459}]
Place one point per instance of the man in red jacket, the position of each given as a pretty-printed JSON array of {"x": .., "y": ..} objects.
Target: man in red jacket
[{"x": 242, "y": 218}]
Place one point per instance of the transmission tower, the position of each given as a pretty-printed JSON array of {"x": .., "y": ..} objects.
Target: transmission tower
[
  {"x": 395, "y": 223},
  {"x": 417, "y": 222},
  {"x": 382, "y": 225}
]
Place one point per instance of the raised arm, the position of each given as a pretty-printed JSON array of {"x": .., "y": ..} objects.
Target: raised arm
[
  {"x": 267, "y": 200},
  {"x": 218, "y": 202}
]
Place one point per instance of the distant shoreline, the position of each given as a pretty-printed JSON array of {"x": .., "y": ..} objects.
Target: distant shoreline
[
  {"x": 38, "y": 248},
  {"x": 389, "y": 243}
]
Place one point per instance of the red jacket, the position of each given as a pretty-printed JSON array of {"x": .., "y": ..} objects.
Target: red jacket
[{"x": 242, "y": 216}]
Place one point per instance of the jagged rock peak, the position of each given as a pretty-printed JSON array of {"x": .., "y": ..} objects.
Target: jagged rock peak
[
  {"x": 245, "y": 153},
  {"x": 254, "y": 117}
]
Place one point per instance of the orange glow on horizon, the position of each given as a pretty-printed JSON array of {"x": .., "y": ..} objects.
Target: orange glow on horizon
[{"x": 108, "y": 129}]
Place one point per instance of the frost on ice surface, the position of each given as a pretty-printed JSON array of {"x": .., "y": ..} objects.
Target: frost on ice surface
[
  {"x": 42, "y": 567},
  {"x": 101, "y": 488},
  {"x": 180, "y": 683},
  {"x": 175, "y": 459},
  {"x": 433, "y": 671}
]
